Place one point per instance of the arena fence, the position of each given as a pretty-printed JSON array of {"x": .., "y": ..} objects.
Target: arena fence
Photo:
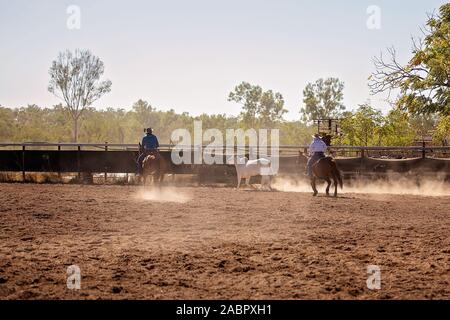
[{"x": 121, "y": 158}]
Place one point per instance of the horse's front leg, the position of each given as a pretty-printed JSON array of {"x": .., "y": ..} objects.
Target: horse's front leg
[
  {"x": 156, "y": 178},
  {"x": 159, "y": 179},
  {"x": 313, "y": 185}
]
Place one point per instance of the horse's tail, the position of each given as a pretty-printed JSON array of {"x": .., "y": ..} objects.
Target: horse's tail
[{"x": 336, "y": 173}]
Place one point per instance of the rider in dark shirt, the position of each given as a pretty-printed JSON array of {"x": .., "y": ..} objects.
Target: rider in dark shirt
[{"x": 149, "y": 143}]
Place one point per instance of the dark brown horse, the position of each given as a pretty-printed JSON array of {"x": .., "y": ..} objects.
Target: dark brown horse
[
  {"x": 326, "y": 169},
  {"x": 153, "y": 164}
]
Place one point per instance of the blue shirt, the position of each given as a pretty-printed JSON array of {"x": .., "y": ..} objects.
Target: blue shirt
[{"x": 150, "y": 141}]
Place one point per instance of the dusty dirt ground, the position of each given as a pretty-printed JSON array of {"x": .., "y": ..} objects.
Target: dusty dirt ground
[{"x": 219, "y": 243}]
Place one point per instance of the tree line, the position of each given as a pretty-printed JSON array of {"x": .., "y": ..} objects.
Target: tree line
[
  {"x": 33, "y": 123},
  {"x": 365, "y": 126}
]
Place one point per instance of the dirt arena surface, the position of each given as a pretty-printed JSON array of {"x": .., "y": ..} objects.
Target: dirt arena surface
[{"x": 219, "y": 243}]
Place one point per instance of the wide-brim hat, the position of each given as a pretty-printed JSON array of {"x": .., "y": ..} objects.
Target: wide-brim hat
[{"x": 316, "y": 135}]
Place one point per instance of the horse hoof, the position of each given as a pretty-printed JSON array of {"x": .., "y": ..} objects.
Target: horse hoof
[{"x": 314, "y": 194}]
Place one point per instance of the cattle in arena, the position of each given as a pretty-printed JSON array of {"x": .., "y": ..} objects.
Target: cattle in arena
[{"x": 245, "y": 169}]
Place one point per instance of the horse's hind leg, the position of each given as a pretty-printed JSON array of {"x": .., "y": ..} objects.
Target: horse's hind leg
[
  {"x": 335, "y": 186},
  {"x": 162, "y": 169},
  {"x": 313, "y": 185},
  {"x": 328, "y": 186}
]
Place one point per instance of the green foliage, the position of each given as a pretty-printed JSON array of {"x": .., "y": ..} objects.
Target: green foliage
[
  {"x": 442, "y": 133},
  {"x": 323, "y": 99},
  {"x": 259, "y": 108},
  {"x": 143, "y": 113},
  {"x": 295, "y": 133},
  {"x": 361, "y": 127},
  {"x": 424, "y": 82},
  {"x": 368, "y": 127},
  {"x": 397, "y": 129},
  {"x": 423, "y": 124},
  {"x": 7, "y": 124},
  {"x": 32, "y": 123},
  {"x": 365, "y": 126}
]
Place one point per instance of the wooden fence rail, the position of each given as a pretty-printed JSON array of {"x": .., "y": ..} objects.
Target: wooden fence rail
[{"x": 120, "y": 158}]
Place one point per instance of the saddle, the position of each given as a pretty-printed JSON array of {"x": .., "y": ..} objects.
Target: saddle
[
  {"x": 151, "y": 157},
  {"x": 148, "y": 152}
]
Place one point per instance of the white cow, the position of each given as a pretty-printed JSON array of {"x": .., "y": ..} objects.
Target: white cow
[{"x": 245, "y": 169}]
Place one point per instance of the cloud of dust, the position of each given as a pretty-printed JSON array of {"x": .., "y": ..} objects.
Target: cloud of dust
[
  {"x": 162, "y": 195},
  {"x": 394, "y": 185}
]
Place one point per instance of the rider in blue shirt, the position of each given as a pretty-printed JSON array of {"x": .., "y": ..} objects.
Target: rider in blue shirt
[{"x": 149, "y": 143}]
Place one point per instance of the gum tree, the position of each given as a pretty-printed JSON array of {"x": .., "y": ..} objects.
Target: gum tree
[
  {"x": 323, "y": 99},
  {"x": 75, "y": 79},
  {"x": 259, "y": 107}
]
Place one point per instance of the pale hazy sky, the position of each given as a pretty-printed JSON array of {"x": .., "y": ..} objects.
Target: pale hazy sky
[{"x": 188, "y": 55}]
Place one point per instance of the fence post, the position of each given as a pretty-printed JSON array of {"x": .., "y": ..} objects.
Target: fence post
[
  {"x": 59, "y": 161},
  {"x": 78, "y": 163},
  {"x": 423, "y": 149},
  {"x": 106, "y": 158},
  {"x": 200, "y": 152},
  {"x": 362, "y": 167},
  {"x": 23, "y": 163}
]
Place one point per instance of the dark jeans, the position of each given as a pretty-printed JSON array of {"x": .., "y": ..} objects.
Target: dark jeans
[
  {"x": 313, "y": 159},
  {"x": 141, "y": 158}
]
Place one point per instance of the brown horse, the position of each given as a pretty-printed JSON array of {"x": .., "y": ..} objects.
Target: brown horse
[
  {"x": 326, "y": 169},
  {"x": 154, "y": 164}
]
